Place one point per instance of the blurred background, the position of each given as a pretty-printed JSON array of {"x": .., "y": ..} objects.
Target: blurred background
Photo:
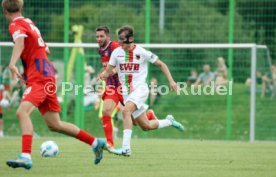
[{"x": 174, "y": 22}]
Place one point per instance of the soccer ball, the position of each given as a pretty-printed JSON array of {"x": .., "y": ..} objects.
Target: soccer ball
[
  {"x": 4, "y": 103},
  {"x": 49, "y": 149}
]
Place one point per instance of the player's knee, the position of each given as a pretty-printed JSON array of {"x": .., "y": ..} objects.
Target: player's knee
[
  {"x": 107, "y": 111},
  {"x": 54, "y": 127},
  {"x": 126, "y": 113},
  {"x": 20, "y": 113},
  {"x": 145, "y": 127}
]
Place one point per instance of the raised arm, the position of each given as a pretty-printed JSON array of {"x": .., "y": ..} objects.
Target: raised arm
[{"x": 163, "y": 66}]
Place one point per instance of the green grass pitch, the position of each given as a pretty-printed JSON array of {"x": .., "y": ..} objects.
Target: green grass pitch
[{"x": 150, "y": 158}]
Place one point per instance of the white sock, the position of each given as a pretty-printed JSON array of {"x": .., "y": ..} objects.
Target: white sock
[
  {"x": 1, "y": 133},
  {"x": 164, "y": 123},
  {"x": 95, "y": 143},
  {"x": 127, "y": 138},
  {"x": 26, "y": 155}
]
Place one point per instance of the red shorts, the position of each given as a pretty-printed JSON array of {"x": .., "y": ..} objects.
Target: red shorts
[
  {"x": 38, "y": 96},
  {"x": 113, "y": 94}
]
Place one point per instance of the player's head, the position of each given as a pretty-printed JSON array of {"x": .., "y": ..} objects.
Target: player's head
[
  {"x": 12, "y": 7},
  {"x": 102, "y": 35},
  {"x": 125, "y": 35}
]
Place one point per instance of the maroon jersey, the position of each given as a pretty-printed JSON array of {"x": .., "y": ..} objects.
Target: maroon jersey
[
  {"x": 37, "y": 67},
  {"x": 105, "y": 56}
]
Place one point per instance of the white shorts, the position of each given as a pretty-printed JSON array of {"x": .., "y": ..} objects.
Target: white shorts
[{"x": 138, "y": 96}]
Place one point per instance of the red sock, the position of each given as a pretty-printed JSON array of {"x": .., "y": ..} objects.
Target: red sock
[
  {"x": 108, "y": 129},
  {"x": 27, "y": 143},
  {"x": 85, "y": 137}
]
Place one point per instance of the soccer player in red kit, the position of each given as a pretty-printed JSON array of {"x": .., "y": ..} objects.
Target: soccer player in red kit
[
  {"x": 112, "y": 95},
  {"x": 38, "y": 73}
]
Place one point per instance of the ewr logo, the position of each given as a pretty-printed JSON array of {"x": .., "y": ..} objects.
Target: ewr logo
[{"x": 129, "y": 67}]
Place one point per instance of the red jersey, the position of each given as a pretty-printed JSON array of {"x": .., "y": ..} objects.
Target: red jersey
[
  {"x": 105, "y": 56},
  {"x": 37, "y": 67}
]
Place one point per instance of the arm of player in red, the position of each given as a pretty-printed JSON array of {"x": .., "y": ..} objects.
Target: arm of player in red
[{"x": 16, "y": 53}]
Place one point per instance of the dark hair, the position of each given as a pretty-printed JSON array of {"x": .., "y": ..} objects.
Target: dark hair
[
  {"x": 103, "y": 28},
  {"x": 12, "y": 6},
  {"x": 128, "y": 29}
]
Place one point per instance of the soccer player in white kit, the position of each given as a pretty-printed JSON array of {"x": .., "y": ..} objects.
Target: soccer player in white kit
[{"x": 131, "y": 62}]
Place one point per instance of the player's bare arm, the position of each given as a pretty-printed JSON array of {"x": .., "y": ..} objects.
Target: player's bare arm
[
  {"x": 107, "y": 72},
  {"x": 16, "y": 53},
  {"x": 48, "y": 50},
  {"x": 163, "y": 66}
]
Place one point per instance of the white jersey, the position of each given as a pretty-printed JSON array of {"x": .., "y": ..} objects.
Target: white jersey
[{"x": 132, "y": 66}]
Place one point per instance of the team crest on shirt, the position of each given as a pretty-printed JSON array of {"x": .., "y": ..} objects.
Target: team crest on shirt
[
  {"x": 106, "y": 53},
  {"x": 129, "y": 67},
  {"x": 137, "y": 57}
]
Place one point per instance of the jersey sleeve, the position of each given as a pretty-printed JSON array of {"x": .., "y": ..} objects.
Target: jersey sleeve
[
  {"x": 149, "y": 56},
  {"x": 17, "y": 31},
  {"x": 115, "y": 45},
  {"x": 112, "y": 60}
]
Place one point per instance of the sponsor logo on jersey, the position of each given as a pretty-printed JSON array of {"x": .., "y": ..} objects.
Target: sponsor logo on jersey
[
  {"x": 129, "y": 67},
  {"x": 138, "y": 57}
]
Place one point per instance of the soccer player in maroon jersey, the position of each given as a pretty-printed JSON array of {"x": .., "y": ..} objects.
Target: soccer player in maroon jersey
[
  {"x": 111, "y": 96},
  {"x": 38, "y": 73}
]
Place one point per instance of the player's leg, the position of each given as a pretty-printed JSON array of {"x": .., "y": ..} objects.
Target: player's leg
[
  {"x": 129, "y": 108},
  {"x": 50, "y": 109},
  {"x": 23, "y": 114},
  {"x": 54, "y": 123},
  {"x": 147, "y": 125},
  {"x": 108, "y": 106}
]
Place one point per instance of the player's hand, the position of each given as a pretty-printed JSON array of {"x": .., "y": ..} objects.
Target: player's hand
[
  {"x": 15, "y": 72},
  {"x": 101, "y": 76},
  {"x": 16, "y": 75},
  {"x": 174, "y": 86},
  {"x": 114, "y": 71}
]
